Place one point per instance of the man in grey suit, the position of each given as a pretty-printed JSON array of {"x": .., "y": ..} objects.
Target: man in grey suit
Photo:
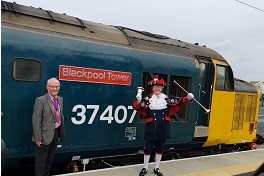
[{"x": 48, "y": 126}]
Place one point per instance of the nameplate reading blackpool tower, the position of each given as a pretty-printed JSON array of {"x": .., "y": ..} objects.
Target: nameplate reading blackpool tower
[{"x": 81, "y": 74}]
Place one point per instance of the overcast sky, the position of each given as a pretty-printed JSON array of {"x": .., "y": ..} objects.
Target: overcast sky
[{"x": 233, "y": 29}]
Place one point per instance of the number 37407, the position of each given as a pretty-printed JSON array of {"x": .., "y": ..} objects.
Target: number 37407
[{"x": 119, "y": 114}]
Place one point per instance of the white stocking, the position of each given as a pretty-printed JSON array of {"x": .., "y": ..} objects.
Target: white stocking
[
  {"x": 157, "y": 160},
  {"x": 146, "y": 160}
]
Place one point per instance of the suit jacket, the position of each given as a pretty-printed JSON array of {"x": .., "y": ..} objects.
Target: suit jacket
[{"x": 43, "y": 120}]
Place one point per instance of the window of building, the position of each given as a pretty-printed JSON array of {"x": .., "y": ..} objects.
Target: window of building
[{"x": 26, "y": 69}]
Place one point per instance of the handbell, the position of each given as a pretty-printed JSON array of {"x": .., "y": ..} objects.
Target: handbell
[{"x": 140, "y": 89}]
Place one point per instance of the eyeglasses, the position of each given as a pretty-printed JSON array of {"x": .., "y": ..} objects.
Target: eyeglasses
[{"x": 54, "y": 87}]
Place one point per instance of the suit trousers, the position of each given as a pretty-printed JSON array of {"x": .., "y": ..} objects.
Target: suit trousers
[{"x": 44, "y": 156}]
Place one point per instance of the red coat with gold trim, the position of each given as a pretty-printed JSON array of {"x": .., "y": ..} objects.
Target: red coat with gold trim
[{"x": 158, "y": 117}]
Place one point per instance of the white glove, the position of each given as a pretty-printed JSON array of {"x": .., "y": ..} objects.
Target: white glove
[
  {"x": 190, "y": 96},
  {"x": 139, "y": 96}
]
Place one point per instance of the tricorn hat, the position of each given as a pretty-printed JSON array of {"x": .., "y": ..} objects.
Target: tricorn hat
[{"x": 157, "y": 81}]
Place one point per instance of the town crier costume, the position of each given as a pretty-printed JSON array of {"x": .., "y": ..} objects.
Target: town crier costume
[{"x": 157, "y": 109}]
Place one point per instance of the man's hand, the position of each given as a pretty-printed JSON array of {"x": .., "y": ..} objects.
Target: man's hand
[{"x": 38, "y": 143}]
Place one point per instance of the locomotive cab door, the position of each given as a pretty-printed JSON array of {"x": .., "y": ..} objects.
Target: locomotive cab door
[
  {"x": 222, "y": 105},
  {"x": 206, "y": 82}
]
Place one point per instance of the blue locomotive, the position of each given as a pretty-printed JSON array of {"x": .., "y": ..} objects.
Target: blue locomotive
[{"x": 100, "y": 67}]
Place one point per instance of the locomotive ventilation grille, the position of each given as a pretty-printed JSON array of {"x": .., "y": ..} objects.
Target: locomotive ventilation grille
[{"x": 245, "y": 110}]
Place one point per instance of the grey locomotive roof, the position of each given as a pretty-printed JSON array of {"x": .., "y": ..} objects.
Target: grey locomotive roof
[
  {"x": 63, "y": 23},
  {"x": 243, "y": 86}
]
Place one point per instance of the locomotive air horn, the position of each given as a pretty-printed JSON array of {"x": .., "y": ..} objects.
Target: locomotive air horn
[{"x": 206, "y": 110}]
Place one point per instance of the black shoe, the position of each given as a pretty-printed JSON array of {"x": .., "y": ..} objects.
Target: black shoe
[
  {"x": 157, "y": 171},
  {"x": 143, "y": 172}
]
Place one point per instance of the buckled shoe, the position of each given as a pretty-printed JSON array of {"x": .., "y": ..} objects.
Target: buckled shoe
[
  {"x": 143, "y": 172},
  {"x": 157, "y": 172}
]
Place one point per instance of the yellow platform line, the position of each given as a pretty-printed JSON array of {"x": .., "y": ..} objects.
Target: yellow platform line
[{"x": 228, "y": 171}]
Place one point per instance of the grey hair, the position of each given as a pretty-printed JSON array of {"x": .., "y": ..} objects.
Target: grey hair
[{"x": 51, "y": 79}]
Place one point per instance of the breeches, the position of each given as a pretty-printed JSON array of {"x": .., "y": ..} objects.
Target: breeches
[{"x": 156, "y": 146}]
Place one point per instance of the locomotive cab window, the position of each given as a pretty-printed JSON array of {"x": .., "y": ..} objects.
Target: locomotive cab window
[
  {"x": 26, "y": 69},
  {"x": 202, "y": 71},
  {"x": 223, "y": 78}
]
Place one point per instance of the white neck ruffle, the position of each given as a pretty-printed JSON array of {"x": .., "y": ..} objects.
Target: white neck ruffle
[{"x": 158, "y": 102}]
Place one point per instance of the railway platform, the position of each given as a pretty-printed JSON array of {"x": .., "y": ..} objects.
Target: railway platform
[{"x": 230, "y": 164}]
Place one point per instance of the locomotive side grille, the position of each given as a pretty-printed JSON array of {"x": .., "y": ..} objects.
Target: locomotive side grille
[
  {"x": 239, "y": 111},
  {"x": 245, "y": 110},
  {"x": 251, "y": 110}
]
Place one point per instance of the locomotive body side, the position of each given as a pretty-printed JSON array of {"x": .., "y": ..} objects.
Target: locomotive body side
[{"x": 100, "y": 120}]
